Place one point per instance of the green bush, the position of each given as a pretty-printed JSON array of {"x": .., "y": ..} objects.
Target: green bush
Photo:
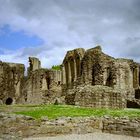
[{"x": 56, "y": 67}]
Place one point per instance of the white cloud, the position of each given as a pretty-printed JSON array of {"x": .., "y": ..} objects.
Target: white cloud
[{"x": 65, "y": 25}]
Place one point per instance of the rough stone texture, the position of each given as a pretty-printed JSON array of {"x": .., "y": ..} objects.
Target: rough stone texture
[
  {"x": 88, "y": 78},
  {"x": 71, "y": 68},
  {"x": 96, "y": 96},
  {"x": 16, "y": 126},
  {"x": 22, "y": 126},
  {"x": 118, "y": 80},
  {"x": 123, "y": 126},
  {"x": 11, "y": 76},
  {"x": 34, "y": 64},
  {"x": 42, "y": 87}
]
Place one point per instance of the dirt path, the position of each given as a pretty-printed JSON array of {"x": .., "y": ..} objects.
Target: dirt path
[{"x": 94, "y": 136}]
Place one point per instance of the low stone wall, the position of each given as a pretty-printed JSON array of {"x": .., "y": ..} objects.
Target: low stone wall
[
  {"x": 123, "y": 126},
  {"x": 96, "y": 96},
  {"x": 18, "y": 126}
]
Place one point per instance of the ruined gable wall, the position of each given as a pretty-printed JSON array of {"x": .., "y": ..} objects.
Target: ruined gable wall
[
  {"x": 110, "y": 74},
  {"x": 42, "y": 86},
  {"x": 71, "y": 68},
  {"x": 95, "y": 66}
]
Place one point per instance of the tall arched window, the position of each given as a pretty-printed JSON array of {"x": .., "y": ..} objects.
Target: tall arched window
[
  {"x": 66, "y": 72},
  {"x": 93, "y": 75},
  {"x": 109, "y": 78},
  {"x": 78, "y": 65},
  {"x": 72, "y": 69},
  {"x": 134, "y": 77}
]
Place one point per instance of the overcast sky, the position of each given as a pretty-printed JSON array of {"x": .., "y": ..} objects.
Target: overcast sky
[{"x": 48, "y": 28}]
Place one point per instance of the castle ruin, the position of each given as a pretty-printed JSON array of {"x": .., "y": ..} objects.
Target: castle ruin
[{"x": 87, "y": 78}]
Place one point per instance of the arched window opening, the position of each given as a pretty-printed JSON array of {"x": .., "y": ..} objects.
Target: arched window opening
[
  {"x": 72, "y": 69},
  {"x": 93, "y": 76},
  {"x": 134, "y": 77},
  {"x": 59, "y": 82},
  {"x": 9, "y": 101},
  {"x": 66, "y": 72},
  {"x": 78, "y": 65},
  {"x": 137, "y": 93},
  {"x": 96, "y": 74},
  {"x": 48, "y": 80},
  {"x": 109, "y": 78}
]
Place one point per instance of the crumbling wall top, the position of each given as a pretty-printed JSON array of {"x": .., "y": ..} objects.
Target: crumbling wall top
[
  {"x": 16, "y": 65},
  {"x": 34, "y": 63},
  {"x": 97, "y": 48},
  {"x": 79, "y": 52}
]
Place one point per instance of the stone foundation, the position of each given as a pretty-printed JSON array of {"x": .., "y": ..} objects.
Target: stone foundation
[
  {"x": 22, "y": 126},
  {"x": 96, "y": 96}
]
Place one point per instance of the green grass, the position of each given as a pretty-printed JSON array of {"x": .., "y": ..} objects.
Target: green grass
[{"x": 55, "y": 111}]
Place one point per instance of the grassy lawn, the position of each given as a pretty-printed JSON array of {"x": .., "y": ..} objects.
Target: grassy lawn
[{"x": 55, "y": 111}]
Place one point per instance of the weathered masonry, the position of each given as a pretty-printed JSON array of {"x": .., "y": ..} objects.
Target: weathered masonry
[
  {"x": 92, "y": 78},
  {"x": 38, "y": 87},
  {"x": 11, "y": 76},
  {"x": 42, "y": 86},
  {"x": 87, "y": 78}
]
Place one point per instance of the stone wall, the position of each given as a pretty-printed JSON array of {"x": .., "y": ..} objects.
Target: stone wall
[
  {"x": 11, "y": 76},
  {"x": 96, "y": 96},
  {"x": 122, "y": 126},
  {"x": 71, "y": 69},
  {"x": 42, "y": 87},
  {"x": 122, "y": 76},
  {"x": 22, "y": 126},
  {"x": 34, "y": 64},
  {"x": 119, "y": 81}
]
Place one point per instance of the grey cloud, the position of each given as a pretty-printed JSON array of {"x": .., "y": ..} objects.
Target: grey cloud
[
  {"x": 134, "y": 52},
  {"x": 132, "y": 40},
  {"x": 133, "y": 47},
  {"x": 66, "y": 24},
  {"x": 31, "y": 51}
]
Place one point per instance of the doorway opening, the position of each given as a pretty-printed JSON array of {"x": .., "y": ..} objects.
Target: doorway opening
[{"x": 9, "y": 101}]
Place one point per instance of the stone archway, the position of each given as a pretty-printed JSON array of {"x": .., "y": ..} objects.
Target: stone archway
[
  {"x": 9, "y": 101},
  {"x": 66, "y": 72}
]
